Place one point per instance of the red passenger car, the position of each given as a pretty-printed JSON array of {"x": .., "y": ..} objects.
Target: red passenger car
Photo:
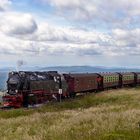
[{"x": 82, "y": 82}]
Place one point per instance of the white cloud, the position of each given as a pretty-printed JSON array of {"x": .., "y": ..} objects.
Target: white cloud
[
  {"x": 5, "y": 4},
  {"x": 17, "y": 23},
  {"x": 129, "y": 38},
  {"x": 53, "y": 40},
  {"x": 76, "y": 9},
  {"x": 114, "y": 13},
  {"x": 21, "y": 35},
  {"x": 48, "y": 32}
]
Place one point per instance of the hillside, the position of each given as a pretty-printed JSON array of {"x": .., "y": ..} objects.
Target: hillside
[{"x": 110, "y": 115}]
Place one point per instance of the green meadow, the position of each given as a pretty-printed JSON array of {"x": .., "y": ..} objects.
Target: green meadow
[{"x": 108, "y": 115}]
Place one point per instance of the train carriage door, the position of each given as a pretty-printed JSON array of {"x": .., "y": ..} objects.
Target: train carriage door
[
  {"x": 135, "y": 78},
  {"x": 70, "y": 83},
  {"x": 99, "y": 82},
  {"x": 71, "y": 86},
  {"x": 120, "y": 80}
]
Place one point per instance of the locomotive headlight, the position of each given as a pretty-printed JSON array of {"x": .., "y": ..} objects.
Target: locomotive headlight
[{"x": 16, "y": 91}]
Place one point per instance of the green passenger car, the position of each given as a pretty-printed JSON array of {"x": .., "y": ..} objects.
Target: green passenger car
[{"x": 110, "y": 79}]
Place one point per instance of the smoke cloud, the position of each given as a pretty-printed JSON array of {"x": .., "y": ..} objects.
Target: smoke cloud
[{"x": 20, "y": 63}]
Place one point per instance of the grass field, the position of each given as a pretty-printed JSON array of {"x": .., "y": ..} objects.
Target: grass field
[{"x": 110, "y": 115}]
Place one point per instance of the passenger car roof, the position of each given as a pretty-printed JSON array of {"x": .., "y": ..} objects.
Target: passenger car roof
[
  {"x": 108, "y": 74},
  {"x": 81, "y": 74}
]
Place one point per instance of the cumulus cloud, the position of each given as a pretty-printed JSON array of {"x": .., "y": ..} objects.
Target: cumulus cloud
[
  {"x": 112, "y": 14},
  {"x": 83, "y": 42},
  {"x": 54, "y": 40},
  {"x": 20, "y": 33},
  {"x": 70, "y": 31},
  {"x": 76, "y": 9},
  {"x": 5, "y": 4},
  {"x": 17, "y": 23},
  {"x": 128, "y": 38},
  {"x": 48, "y": 32}
]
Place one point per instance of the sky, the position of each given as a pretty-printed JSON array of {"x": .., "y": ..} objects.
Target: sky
[{"x": 70, "y": 32}]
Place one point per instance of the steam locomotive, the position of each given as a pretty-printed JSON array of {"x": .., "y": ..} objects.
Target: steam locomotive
[{"x": 31, "y": 88}]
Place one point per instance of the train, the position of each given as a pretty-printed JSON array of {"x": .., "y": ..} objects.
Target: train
[{"x": 26, "y": 88}]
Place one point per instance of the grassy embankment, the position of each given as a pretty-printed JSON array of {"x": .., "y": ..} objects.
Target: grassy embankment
[{"x": 110, "y": 115}]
